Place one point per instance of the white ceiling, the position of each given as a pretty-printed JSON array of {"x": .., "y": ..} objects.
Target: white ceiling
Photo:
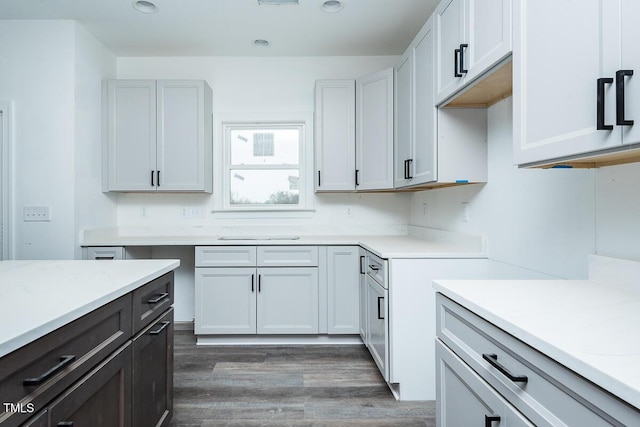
[{"x": 228, "y": 27}]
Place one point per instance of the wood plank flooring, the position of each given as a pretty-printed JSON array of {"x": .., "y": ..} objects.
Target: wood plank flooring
[{"x": 312, "y": 386}]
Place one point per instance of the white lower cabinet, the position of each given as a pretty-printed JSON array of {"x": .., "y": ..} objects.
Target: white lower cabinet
[
  {"x": 343, "y": 290},
  {"x": 464, "y": 399},
  {"x": 362, "y": 295},
  {"x": 378, "y": 325}
]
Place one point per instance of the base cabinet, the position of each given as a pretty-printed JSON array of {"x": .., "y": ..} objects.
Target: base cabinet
[{"x": 378, "y": 325}]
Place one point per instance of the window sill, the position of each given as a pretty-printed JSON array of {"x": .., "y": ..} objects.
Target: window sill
[{"x": 262, "y": 213}]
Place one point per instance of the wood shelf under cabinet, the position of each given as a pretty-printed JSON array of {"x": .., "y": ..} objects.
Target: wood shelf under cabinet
[{"x": 491, "y": 89}]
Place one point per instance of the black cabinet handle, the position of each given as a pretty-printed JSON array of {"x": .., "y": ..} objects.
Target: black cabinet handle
[
  {"x": 253, "y": 283},
  {"x": 456, "y": 59},
  {"x": 158, "y": 178},
  {"x": 357, "y": 177},
  {"x": 158, "y": 298},
  {"x": 104, "y": 257},
  {"x": 379, "y": 315},
  {"x": 600, "y": 98},
  {"x": 463, "y": 46},
  {"x": 361, "y": 264},
  {"x": 65, "y": 424},
  {"x": 493, "y": 361},
  {"x": 409, "y": 175},
  {"x": 319, "y": 179},
  {"x": 152, "y": 173},
  {"x": 620, "y": 75},
  {"x": 64, "y": 362},
  {"x": 259, "y": 282},
  {"x": 160, "y": 329},
  {"x": 490, "y": 419}
]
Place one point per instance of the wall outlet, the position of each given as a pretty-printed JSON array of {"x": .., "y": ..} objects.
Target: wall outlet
[
  {"x": 143, "y": 211},
  {"x": 37, "y": 213},
  {"x": 349, "y": 211},
  {"x": 464, "y": 216},
  {"x": 192, "y": 212}
]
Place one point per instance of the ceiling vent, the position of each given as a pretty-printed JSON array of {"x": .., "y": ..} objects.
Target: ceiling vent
[{"x": 277, "y": 2}]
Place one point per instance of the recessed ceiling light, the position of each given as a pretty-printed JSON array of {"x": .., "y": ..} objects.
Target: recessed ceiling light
[
  {"x": 332, "y": 6},
  {"x": 276, "y": 2},
  {"x": 145, "y": 6},
  {"x": 261, "y": 43}
]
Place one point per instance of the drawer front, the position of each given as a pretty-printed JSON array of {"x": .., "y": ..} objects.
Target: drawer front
[
  {"x": 151, "y": 300},
  {"x": 287, "y": 256},
  {"x": 31, "y": 380},
  {"x": 543, "y": 390},
  {"x": 377, "y": 268},
  {"x": 464, "y": 399},
  {"x": 105, "y": 253},
  {"x": 225, "y": 256}
]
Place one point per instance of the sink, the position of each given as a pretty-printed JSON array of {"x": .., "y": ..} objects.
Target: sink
[{"x": 259, "y": 238}]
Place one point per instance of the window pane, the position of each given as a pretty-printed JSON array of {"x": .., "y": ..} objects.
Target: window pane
[
  {"x": 264, "y": 187},
  {"x": 272, "y": 146}
]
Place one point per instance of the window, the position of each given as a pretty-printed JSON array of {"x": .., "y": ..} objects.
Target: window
[{"x": 264, "y": 166}]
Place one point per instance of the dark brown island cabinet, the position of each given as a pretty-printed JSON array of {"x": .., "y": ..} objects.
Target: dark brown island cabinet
[{"x": 111, "y": 367}]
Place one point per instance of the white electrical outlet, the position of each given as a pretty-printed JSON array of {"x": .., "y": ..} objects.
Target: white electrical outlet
[
  {"x": 349, "y": 211},
  {"x": 192, "y": 212},
  {"x": 37, "y": 213},
  {"x": 464, "y": 217},
  {"x": 143, "y": 211}
]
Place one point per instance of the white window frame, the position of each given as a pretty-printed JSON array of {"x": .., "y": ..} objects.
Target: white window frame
[{"x": 222, "y": 159}]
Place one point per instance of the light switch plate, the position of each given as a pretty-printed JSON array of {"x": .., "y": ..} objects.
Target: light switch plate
[{"x": 37, "y": 213}]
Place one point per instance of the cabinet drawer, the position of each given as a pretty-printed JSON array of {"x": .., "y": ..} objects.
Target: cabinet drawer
[
  {"x": 151, "y": 300},
  {"x": 551, "y": 394},
  {"x": 39, "y": 371},
  {"x": 464, "y": 399},
  {"x": 105, "y": 252},
  {"x": 225, "y": 256},
  {"x": 287, "y": 256},
  {"x": 377, "y": 268}
]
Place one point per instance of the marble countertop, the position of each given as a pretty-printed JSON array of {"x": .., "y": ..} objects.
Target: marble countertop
[
  {"x": 37, "y": 297},
  {"x": 418, "y": 243},
  {"x": 589, "y": 326}
]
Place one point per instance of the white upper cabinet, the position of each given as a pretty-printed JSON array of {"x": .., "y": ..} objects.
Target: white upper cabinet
[
  {"x": 158, "y": 136},
  {"x": 415, "y": 145},
  {"x": 472, "y": 36},
  {"x": 335, "y": 135},
  {"x": 374, "y": 131},
  {"x": 574, "y": 93}
]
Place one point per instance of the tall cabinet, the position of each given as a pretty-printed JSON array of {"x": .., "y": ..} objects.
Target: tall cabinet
[
  {"x": 590, "y": 110},
  {"x": 158, "y": 135}
]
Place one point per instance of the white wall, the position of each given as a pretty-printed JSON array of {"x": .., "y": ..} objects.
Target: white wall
[
  {"x": 53, "y": 114},
  {"x": 255, "y": 85},
  {"x": 539, "y": 219}
]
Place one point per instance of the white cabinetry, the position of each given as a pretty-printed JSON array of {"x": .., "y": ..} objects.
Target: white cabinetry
[
  {"x": 374, "y": 131},
  {"x": 354, "y": 133},
  {"x": 273, "y": 296},
  {"x": 474, "y": 354},
  {"x": 343, "y": 290},
  {"x": 157, "y": 136},
  {"x": 472, "y": 36},
  {"x": 378, "y": 325},
  {"x": 335, "y": 135},
  {"x": 362, "y": 295},
  {"x": 591, "y": 110}
]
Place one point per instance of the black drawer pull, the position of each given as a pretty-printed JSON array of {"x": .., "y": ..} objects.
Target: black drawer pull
[
  {"x": 490, "y": 419},
  {"x": 64, "y": 362},
  {"x": 463, "y": 46},
  {"x": 104, "y": 257},
  {"x": 162, "y": 328},
  {"x": 600, "y": 103},
  {"x": 65, "y": 424},
  {"x": 158, "y": 298},
  {"x": 380, "y": 317},
  {"x": 493, "y": 361},
  {"x": 361, "y": 265},
  {"x": 620, "y": 119},
  {"x": 374, "y": 267}
]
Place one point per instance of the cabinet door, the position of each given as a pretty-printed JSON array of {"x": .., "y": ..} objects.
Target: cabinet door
[
  {"x": 225, "y": 301},
  {"x": 424, "y": 167},
  {"x": 153, "y": 373},
  {"x": 450, "y": 26},
  {"x": 555, "y": 75},
  {"x": 464, "y": 399},
  {"x": 131, "y": 135},
  {"x": 631, "y": 61},
  {"x": 335, "y": 135},
  {"x": 403, "y": 106},
  {"x": 287, "y": 300},
  {"x": 184, "y": 135},
  {"x": 364, "y": 320},
  {"x": 378, "y": 325},
  {"x": 374, "y": 131},
  {"x": 343, "y": 290},
  {"x": 102, "y": 398},
  {"x": 489, "y": 35}
]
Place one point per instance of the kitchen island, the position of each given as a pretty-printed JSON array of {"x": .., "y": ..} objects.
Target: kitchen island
[
  {"x": 75, "y": 332},
  {"x": 561, "y": 352}
]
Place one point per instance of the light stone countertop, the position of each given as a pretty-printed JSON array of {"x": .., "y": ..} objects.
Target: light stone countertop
[
  {"x": 589, "y": 326},
  {"x": 418, "y": 243},
  {"x": 37, "y": 297}
]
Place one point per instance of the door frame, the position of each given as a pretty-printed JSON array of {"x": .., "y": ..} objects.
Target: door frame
[{"x": 6, "y": 170}]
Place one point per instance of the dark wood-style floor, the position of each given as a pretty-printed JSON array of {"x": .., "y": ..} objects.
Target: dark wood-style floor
[{"x": 285, "y": 386}]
